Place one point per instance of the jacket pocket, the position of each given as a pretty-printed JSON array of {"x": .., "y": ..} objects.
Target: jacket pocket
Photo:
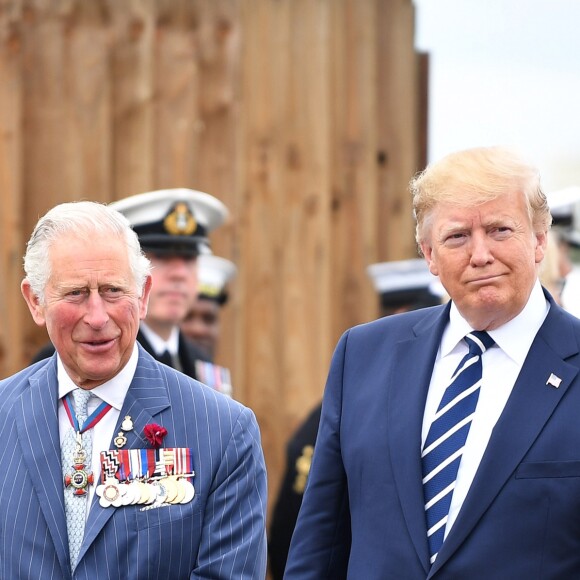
[{"x": 539, "y": 469}]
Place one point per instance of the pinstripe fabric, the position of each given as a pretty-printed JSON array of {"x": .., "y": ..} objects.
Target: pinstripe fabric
[{"x": 220, "y": 534}]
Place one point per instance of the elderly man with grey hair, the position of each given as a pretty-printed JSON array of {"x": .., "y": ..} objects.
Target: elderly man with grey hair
[{"x": 115, "y": 465}]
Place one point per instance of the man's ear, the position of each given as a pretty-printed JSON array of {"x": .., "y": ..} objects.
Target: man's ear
[
  {"x": 541, "y": 245},
  {"x": 144, "y": 298},
  {"x": 33, "y": 303},
  {"x": 427, "y": 251}
]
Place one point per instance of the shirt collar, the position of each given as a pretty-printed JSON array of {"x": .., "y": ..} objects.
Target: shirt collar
[
  {"x": 158, "y": 344},
  {"x": 112, "y": 392},
  {"x": 514, "y": 337}
]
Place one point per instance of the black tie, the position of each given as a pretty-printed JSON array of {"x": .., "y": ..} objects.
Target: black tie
[{"x": 166, "y": 358}]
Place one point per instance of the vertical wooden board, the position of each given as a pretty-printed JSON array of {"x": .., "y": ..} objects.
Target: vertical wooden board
[
  {"x": 133, "y": 96},
  {"x": 398, "y": 100},
  {"x": 49, "y": 173},
  {"x": 87, "y": 99},
  {"x": 12, "y": 308},
  {"x": 305, "y": 268},
  {"x": 216, "y": 157},
  {"x": 264, "y": 73},
  {"x": 423, "y": 63},
  {"x": 354, "y": 140},
  {"x": 305, "y": 307},
  {"x": 219, "y": 46},
  {"x": 177, "y": 88},
  {"x": 45, "y": 148}
]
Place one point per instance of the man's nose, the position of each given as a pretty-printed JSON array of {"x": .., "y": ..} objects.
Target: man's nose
[
  {"x": 96, "y": 315},
  {"x": 481, "y": 253}
]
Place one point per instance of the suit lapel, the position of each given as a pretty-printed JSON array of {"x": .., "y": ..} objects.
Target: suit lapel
[
  {"x": 530, "y": 406},
  {"x": 38, "y": 434},
  {"x": 406, "y": 404},
  {"x": 146, "y": 397}
]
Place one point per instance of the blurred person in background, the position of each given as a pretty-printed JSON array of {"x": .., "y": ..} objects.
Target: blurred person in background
[
  {"x": 556, "y": 266},
  {"x": 559, "y": 273},
  {"x": 202, "y": 323},
  {"x": 173, "y": 226}
]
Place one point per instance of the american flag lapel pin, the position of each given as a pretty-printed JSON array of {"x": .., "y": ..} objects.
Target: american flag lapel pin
[{"x": 554, "y": 380}]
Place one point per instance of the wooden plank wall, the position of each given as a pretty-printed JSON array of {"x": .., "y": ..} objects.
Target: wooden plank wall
[{"x": 301, "y": 115}]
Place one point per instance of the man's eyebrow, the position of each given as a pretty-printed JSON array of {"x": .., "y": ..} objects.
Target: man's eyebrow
[
  {"x": 454, "y": 227},
  {"x": 499, "y": 221}
]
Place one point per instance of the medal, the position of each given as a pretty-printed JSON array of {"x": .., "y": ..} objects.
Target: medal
[
  {"x": 127, "y": 424},
  {"x": 214, "y": 376},
  {"x": 189, "y": 491},
  {"x": 133, "y": 492},
  {"x": 144, "y": 493},
  {"x": 180, "y": 491},
  {"x": 152, "y": 478},
  {"x": 120, "y": 440},
  {"x": 170, "y": 485},
  {"x": 111, "y": 493},
  {"x": 80, "y": 478},
  {"x": 161, "y": 493}
]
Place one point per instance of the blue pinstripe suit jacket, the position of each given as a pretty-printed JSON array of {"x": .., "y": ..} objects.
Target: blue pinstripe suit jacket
[{"x": 220, "y": 534}]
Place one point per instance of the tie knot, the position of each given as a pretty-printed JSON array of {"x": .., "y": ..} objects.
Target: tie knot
[
  {"x": 478, "y": 342},
  {"x": 81, "y": 398}
]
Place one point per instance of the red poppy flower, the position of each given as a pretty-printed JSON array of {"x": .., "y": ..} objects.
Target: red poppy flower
[{"x": 155, "y": 434}]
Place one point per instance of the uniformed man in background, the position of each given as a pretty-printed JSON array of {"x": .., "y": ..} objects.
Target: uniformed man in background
[
  {"x": 173, "y": 226},
  {"x": 202, "y": 323}
]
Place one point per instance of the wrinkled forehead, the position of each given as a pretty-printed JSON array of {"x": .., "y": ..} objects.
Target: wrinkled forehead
[{"x": 506, "y": 210}]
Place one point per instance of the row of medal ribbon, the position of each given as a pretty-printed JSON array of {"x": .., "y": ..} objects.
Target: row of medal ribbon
[{"x": 149, "y": 477}]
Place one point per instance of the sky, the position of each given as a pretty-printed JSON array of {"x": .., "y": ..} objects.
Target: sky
[{"x": 505, "y": 72}]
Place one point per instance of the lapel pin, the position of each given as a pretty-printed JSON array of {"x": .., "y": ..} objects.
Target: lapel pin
[
  {"x": 127, "y": 424},
  {"x": 120, "y": 440},
  {"x": 554, "y": 381}
]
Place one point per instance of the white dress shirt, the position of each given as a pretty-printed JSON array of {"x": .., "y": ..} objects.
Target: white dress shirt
[
  {"x": 112, "y": 392},
  {"x": 502, "y": 364},
  {"x": 158, "y": 344}
]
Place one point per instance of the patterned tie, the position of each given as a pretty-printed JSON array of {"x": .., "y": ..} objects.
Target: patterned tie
[
  {"x": 446, "y": 438},
  {"x": 75, "y": 503}
]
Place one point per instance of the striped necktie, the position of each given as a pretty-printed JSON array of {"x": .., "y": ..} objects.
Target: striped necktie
[{"x": 445, "y": 441}]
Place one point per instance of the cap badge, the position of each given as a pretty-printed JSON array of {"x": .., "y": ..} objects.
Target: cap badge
[{"x": 180, "y": 222}]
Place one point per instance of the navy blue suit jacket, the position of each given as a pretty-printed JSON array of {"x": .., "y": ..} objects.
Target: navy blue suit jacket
[
  {"x": 219, "y": 534},
  {"x": 363, "y": 510}
]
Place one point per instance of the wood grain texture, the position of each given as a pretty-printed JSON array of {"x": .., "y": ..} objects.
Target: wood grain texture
[{"x": 302, "y": 116}]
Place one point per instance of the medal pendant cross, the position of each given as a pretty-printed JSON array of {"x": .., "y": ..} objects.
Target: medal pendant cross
[{"x": 80, "y": 478}]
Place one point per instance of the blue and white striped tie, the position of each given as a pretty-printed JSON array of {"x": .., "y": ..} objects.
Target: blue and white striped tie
[{"x": 445, "y": 441}]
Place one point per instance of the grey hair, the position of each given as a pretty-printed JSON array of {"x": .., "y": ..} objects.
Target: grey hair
[{"x": 83, "y": 219}]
